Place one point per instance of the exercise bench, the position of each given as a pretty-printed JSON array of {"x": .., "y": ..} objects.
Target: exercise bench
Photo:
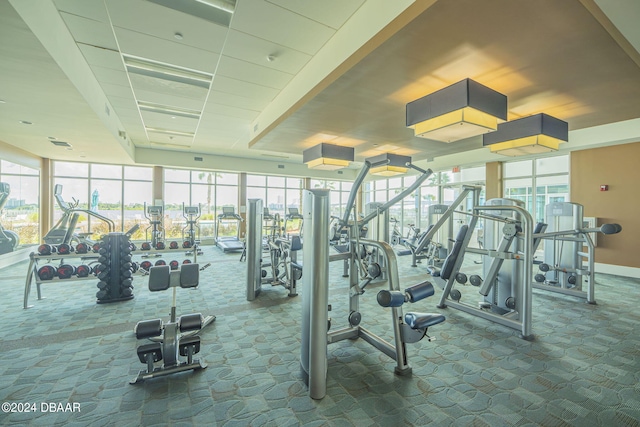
[{"x": 175, "y": 338}]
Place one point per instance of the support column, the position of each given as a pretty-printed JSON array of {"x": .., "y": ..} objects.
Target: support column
[
  {"x": 315, "y": 294},
  {"x": 46, "y": 202},
  {"x": 242, "y": 202},
  {"x": 494, "y": 188}
]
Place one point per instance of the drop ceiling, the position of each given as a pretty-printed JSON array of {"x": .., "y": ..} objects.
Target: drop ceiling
[{"x": 116, "y": 77}]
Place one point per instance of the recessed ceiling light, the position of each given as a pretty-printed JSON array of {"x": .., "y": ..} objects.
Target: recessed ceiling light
[
  {"x": 52, "y": 138},
  {"x": 24, "y": 122},
  {"x": 178, "y": 36},
  {"x": 271, "y": 58}
]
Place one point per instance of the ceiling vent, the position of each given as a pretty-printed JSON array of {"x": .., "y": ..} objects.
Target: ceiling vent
[{"x": 61, "y": 143}]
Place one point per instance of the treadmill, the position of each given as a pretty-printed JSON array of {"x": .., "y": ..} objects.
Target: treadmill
[{"x": 229, "y": 243}]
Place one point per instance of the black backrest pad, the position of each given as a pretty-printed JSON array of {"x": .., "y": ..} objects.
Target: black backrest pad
[
  {"x": 189, "y": 275},
  {"x": 447, "y": 266},
  {"x": 159, "y": 278}
]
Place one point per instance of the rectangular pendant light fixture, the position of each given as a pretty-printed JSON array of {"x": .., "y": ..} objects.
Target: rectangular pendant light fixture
[
  {"x": 395, "y": 165},
  {"x": 328, "y": 156},
  {"x": 540, "y": 133},
  {"x": 459, "y": 111}
]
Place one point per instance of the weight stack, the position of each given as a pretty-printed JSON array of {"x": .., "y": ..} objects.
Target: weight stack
[{"x": 116, "y": 269}]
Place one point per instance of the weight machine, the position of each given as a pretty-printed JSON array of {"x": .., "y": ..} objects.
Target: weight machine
[
  {"x": 9, "y": 240},
  {"x": 362, "y": 271},
  {"x": 430, "y": 245},
  {"x": 506, "y": 264},
  {"x": 568, "y": 245},
  {"x": 284, "y": 266},
  {"x": 63, "y": 232}
]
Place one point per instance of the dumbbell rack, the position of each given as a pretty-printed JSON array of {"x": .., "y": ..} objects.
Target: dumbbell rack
[
  {"x": 35, "y": 258},
  {"x": 115, "y": 285}
]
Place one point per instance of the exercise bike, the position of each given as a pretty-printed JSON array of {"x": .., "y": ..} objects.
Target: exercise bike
[{"x": 9, "y": 240}]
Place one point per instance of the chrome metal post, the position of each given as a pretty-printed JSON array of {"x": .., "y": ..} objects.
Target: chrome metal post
[
  {"x": 315, "y": 291},
  {"x": 254, "y": 248}
]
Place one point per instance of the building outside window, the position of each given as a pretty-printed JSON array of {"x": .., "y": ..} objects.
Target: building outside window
[{"x": 22, "y": 208}]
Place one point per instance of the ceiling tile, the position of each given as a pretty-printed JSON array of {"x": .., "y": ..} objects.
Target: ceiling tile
[
  {"x": 89, "y": 31},
  {"x": 255, "y": 50},
  {"x": 237, "y": 101},
  {"x": 196, "y": 32},
  {"x": 281, "y": 26},
  {"x": 119, "y": 102},
  {"x": 333, "y": 13},
  {"x": 109, "y": 75},
  {"x": 165, "y": 121},
  {"x": 144, "y": 46},
  {"x": 116, "y": 90},
  {"x": 102, "y": 57},
  {"x": 215, "y": 110},
  {"x": 253, "y": 73},
  {"x": 242, "y": 88},
  {"x": 87, "y": 9}
]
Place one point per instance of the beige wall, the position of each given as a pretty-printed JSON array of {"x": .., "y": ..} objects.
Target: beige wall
[
  {"x": 619, "y": 168},
  {"x": 493, "y": 180}
]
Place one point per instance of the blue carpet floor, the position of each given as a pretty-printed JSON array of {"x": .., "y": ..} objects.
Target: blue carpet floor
[{"x": 582, "y": 369}]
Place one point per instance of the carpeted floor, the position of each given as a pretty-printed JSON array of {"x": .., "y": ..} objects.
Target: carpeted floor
[{"x": 582, "y": 369}]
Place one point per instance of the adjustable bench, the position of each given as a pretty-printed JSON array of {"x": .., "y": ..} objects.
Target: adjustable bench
[{"x": 175, "y": 338}]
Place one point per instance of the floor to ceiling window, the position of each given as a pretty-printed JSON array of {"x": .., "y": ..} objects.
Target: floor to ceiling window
[
  {"x": 210, "y": 190},
  {"x": 537, "y": 183},
  {"x": 115, "y": 192},
  {"x": 339, "y": 194},
  {"x": 21, "y": 210}
]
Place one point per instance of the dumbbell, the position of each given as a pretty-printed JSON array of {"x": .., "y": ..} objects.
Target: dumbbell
[
  {"x": 133, "y": 246},
  {"x": 83, "y": 270},
  {"x": 47, "y": 272},
  {"x": 65, "y": 271},
  {"x": 186, "y": 261},
  {"x": 173, "y": 245},
  {"x": 146, "y": 265},
  {"x": 160, "y": 262},
  {"x": 134, "y": 267},
  {"x": 146, "y": 246},
  {"x": 160, "y": 246},
  {"x": 82, "y": 248},
  {"x": 186, "y": 244},
  {"x": 96, "y": 247},
  {"x": 101, "y": 294},
  {"x": 64, "y": 249},
  {"x": 46, "y": 249},
  {"x": 174, "y": 264}
]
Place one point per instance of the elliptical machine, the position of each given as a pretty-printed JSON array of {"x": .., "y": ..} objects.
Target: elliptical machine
[
  {"x": 9, "y": 240},
  {"x": 64, "y": 230},
  {"x": 154, "y": 214},
  {"x": 191, "y": 231}
]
